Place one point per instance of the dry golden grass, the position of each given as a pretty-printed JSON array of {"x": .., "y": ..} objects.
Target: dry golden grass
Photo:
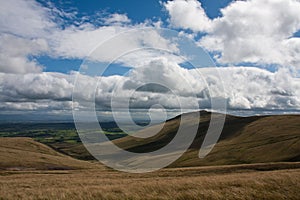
[
  {"x": 243, "y": 140},
  {"x": 92, "y": 181},
  {"x": 25, "y": 154},
  {"x": 181, "y": 183}
]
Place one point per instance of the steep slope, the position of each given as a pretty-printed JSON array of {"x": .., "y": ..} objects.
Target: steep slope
[
  {"x": 266, "y": 139},
  {"x": 25, "y": 153},
  {"x": 254, "y": 139}
]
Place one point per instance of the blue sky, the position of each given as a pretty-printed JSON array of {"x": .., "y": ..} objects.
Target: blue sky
[
  {"x": 138, "y": 11},
  {"x": 254, "y": 43}
]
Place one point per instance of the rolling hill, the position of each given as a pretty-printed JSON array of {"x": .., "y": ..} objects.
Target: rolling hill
[
  {"x": 244, "y": 140},
  {"x": 26, "y": 154}
]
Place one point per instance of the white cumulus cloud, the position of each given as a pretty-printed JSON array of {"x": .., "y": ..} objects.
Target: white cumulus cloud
[
  {"x": 254, "y": 31},
  {"x": 117, "y": 18},
  {"x": 14, "y": 52},
  {"x": 188, "y": 14},
  {"x": 245, "y": 88}
]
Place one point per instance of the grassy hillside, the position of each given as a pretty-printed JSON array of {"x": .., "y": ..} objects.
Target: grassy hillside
[
  {"x": 266, "y": 139},
  {"x": 60, "y": 136},
  {"x": 255, "y": 139},
  {"x": 26, "y": 154},
  {"x": 31, "y": 170},
  {"x": 220, "y": 183}
]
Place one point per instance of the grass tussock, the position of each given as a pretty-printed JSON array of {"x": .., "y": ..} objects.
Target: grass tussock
[{"x": 184, "y": 183}]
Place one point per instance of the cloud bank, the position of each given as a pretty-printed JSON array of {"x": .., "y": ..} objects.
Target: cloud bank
[
  {"x": 245, "y": 88},
  {"x": 258, "y": 33}
]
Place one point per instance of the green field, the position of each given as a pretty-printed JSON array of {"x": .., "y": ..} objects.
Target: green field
[{"x": 62, "y": 137}]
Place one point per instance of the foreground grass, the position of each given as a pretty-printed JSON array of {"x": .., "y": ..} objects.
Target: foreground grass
[{"x": 181, "y": 183}]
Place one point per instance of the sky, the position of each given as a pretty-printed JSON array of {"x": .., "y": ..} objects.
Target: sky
[{"x": 53, "y": 55}]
